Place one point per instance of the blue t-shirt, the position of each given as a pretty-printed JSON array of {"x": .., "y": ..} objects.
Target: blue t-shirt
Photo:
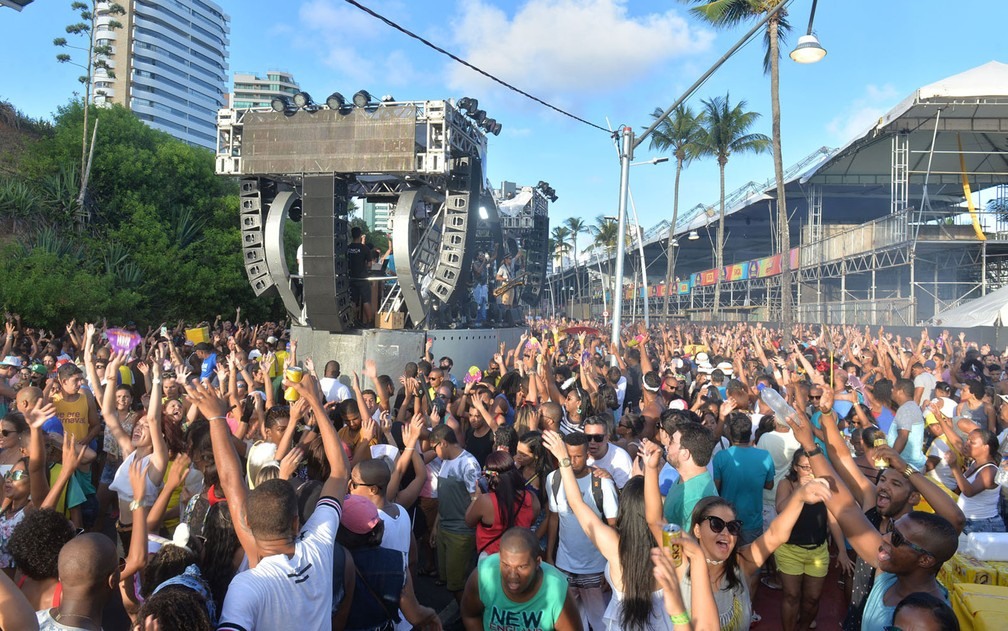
[
  {"x": 209, "y": 367},
  {"x": 908, "y": 417},
  {"x": 743, "y": 473},
  {"x": 885, "y": 419}
]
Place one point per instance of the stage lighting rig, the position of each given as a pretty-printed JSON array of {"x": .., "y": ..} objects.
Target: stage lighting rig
[
  {"x": 304, "y": 101},
  {"x": 478, "y": 117},
  {"x": 547, "y": 190},
  {"x": 282, "y": 105},
  {"x": 336, "y": 101},
  {"x": 468, "y": 104},
  {"x": 388, "y": 98},
  {"x": 362, "y": 98}
]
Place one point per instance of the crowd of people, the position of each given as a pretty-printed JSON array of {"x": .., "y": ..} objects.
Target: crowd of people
[{"x": 567, "y": 483}]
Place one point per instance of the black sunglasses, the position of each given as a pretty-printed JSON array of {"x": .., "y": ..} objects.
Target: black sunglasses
[
  {"x": 717, "y": 525},
  {"x": 598, "y": 438},
  {"x": 899, "y": 540},
  {"x": 8, "y": 432}
]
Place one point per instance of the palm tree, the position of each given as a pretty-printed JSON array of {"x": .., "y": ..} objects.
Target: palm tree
[
  {"x": 726, "y": 132},
  {"x": 728, "y": 14},
  {"x": 605, "y": 233},
  {"x": 560, "y": 242},
  {"x": 680, "y": 132},
  {"x": 577, "y": 227}
]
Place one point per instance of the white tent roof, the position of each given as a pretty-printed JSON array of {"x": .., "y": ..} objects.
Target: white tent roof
[{"x": 985, "y": 311}]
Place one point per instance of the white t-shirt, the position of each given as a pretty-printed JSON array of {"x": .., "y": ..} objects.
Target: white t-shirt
[
  {"x": 926, "y": 381},
  {"x": 941, "y": 472},
  {"x": 575, "y": 551},
  {"x": 334, "y": 390},
  {"x": 397, "y": 530},
  {"x": 781, "y": 446},
  {"x": 47, "y": 623},
  {"x": 121, "y": 482},
  {"x": 620, "y": 398},
  {"x": 617, "y": 462},
  {"x": 282, "y": 592}
]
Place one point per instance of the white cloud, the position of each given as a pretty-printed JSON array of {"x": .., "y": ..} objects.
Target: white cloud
[
  {"x": 568, "y": 46},
  {"x": 863, "y": 112},
  {"x": 341, "y": 36}
]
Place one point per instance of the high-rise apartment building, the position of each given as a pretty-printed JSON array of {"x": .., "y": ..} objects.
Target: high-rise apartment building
[
  {"x": 252, "y": 91},
  {"x": 171, "y": 64},
  {"x": 378, "y": 216}
]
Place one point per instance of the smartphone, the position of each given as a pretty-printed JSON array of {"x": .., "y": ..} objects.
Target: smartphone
[{"x": 164, "y": 331}]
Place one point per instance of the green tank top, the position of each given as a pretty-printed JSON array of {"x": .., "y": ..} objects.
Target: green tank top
[{"x": 500, "y": 613}]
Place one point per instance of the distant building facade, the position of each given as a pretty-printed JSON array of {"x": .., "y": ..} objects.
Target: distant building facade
[
  {"x": 170, "y": 61},
  {"x": 252, "y": 91}
]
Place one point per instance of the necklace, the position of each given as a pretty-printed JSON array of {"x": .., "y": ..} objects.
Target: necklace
[
  {"x": 713, "y": 562},
  {"x": 60, "y": 615}
]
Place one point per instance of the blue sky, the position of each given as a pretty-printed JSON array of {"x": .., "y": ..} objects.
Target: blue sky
[{"x": 599, "y": 59}]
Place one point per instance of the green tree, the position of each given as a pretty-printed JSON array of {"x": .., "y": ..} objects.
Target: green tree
[
  {"x": 681, "y": 133},
  {"x": 577, "y": 227},
  {"x": 726, "y": 132},
  {"x": 560, "y": 242},
  {"x": 728, "y": 14},
  {"x": 95, "y": 66}
]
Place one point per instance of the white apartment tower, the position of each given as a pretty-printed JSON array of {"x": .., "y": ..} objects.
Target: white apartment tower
[
  {"x": 252, "y": 91},
  {"x": 171, "y": 65}
]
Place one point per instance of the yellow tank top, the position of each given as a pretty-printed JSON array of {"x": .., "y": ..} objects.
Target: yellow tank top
[{"x": 73, "y": 415}]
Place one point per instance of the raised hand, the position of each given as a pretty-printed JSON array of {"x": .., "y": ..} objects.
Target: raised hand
[
  {"x": 652, "y": 454},
  {"x": 72, "y": 454},
  {"x": 814, "y": 491},
  {"x": 178, "y": 472},
  {"x": 369, "y": 429},
  {"x": 290, "y": 462},
  {"x": 138, "y": 478},
  {"x": 309, "y": 365},
  {"x": 555, "y": 444},
  {"x": 211, "y": 405},
  {"x": 39, "y": 414},
  {"x": 371, "y": 369}
]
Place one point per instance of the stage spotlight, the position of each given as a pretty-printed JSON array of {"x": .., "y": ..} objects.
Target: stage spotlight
[
  {"x": 388, "y": 98},
  {"x": 553, "y": 197},
  {"x": 362, "y": 98},
  {"x": 479, "y": 116},
  {"x": 483, "y": 213},
  {"x": 335, "y": 101},
  {"x": 466, "y": 103},
  {"x": 282, "y": 105},
  {"x": 303, "y": 100},
  {"x": 542, "y": 185},
  {"x": 495, "y": 129},
  {"x": 488, "y": 124}
]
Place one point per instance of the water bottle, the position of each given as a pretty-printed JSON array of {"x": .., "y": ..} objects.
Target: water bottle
[{"x": 780, "y": 407}]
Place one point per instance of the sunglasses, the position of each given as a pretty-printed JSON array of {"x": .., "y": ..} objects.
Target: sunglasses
[
  {"x": 16, "y": 476},
  {"x": 717, "y": 525},
  {"x": 899, "y": 540},
  {"x": 355, "y": 484},
  {"x": 8, "y": 432},
  {"x": 597, "y": 438}
]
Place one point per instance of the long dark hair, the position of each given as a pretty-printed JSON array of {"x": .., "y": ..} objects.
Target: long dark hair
[
  {"x": 731, "y": 564},
  {"x": 533, "y": 440},
  {"x": 220, "y": 544},
  {"x": 506, "y": 483},
  {"x": 635, "y": 543}
]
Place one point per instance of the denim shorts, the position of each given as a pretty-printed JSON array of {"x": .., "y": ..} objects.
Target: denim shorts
[{"x": 990, "y": 524}]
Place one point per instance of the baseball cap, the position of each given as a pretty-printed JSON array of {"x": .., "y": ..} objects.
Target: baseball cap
[
  {"x": 359, "y": 515},
  {"x": 254, "y": 354},
  {"x": 726, "y": 368},
  {"x": 11, "y": 360},
  {"x": 930, "y": 364},
  {"x": 271, "y": 340}
]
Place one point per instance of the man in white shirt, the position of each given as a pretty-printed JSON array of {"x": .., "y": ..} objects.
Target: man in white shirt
[
  {"x": 335, "y": 392},
  {"x": 291, "y": 566},
  {"x": 924, "y": 382},
  {"x": 605, "y": 455},
  {"x": 576, "y": 556}
]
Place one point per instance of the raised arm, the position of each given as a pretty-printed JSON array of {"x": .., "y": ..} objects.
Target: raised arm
[
  {"x": 159, "y": 457},
  {"x": 229, "y": 469},
  {"x": 862, "y": 535},
  {"x": 409, "y": 457},
  {"x": 653, "y": 512},
  {"x": 839, "y": 454},
  {"x": 600, "y": 533},
  {"x": 339, "y": 466},
  {"x": 38, "y": 477},
  {"x": 789, "y": 506}
]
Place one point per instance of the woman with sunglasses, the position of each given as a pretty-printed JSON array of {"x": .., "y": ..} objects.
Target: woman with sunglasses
[
  {"x": 638, "y": 601},
  {"x": 804, "y": 560},
  {"x": 717, "y": 528},
  {"x": 13, "y": 429}
]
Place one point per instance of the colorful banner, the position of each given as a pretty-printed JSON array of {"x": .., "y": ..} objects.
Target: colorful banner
[
  {"x": 708, "y": 277},
  {"x": 684, "y": 287},
  {"x": 739, "y": 271}
]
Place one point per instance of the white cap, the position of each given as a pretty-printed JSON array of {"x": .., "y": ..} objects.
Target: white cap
[
  {"x": 254, "y": 354},
  {"x": 726, "y": 368},
  {"x": 702, "y": 358}
]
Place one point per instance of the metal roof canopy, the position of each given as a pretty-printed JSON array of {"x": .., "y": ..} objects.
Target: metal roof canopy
[{"x": 971, "y": 106}]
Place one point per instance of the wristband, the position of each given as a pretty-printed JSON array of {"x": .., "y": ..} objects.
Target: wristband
[
  {"x": 217, "y": 418},
  {"x": 680, "y": 618},
  {"x": 909, "y": 471},
  {"x": 135, "y": 504}
]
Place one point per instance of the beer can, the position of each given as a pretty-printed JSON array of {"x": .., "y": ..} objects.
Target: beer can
[
  {"x": 671, "y": 536},
  {"x": 881, "y": 463},
  {"x": 295, "y": 374}
]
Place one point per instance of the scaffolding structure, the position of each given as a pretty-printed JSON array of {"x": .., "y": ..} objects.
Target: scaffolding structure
[{"x": 887, "y": 227}]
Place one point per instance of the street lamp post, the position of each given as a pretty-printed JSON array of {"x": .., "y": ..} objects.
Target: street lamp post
[{"x": 630, "y": 143}]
